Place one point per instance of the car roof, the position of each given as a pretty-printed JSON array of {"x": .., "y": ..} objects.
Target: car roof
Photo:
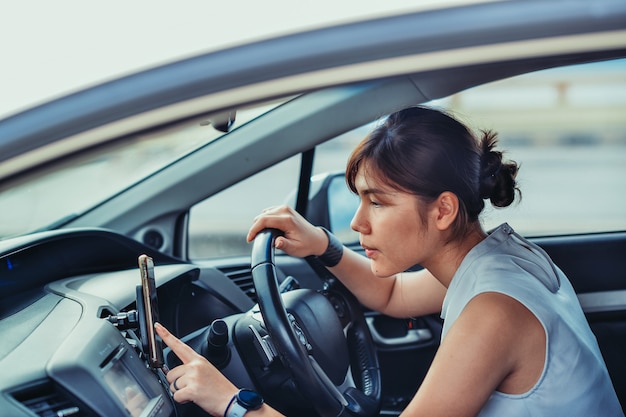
[
  {"x": 446, "y": 49},
  {"x": 46, "y": 59}
]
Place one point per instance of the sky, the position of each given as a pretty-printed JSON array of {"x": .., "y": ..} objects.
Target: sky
[{"x": 48, "y": 48}]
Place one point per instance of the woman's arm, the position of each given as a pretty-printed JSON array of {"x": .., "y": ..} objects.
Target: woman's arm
[
  {"x": 407, "y": 294},
  {"x": 401, "y": 295},
  {"x": 198, "y": 381},
  {"x": 495, "y": 344}
]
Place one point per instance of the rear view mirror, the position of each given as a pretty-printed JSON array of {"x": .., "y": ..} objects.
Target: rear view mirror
[{"x": 221, "y": 121}]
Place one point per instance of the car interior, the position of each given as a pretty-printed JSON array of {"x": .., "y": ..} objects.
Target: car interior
[{"x": 70, "y": 299}]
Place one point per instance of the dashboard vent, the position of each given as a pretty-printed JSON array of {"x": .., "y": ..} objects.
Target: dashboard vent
[
  {"x": 242, "y": 277},
  {"x": 45, "y": 400}
]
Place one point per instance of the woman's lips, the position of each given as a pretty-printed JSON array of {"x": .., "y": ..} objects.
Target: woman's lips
[{"x": 369, "y": 252}]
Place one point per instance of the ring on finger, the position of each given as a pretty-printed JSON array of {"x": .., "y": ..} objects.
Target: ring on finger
[{"x": 176, "y": 386}]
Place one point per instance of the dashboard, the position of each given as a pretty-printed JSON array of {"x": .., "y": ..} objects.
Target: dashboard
[{"x": 64, "y": 350}]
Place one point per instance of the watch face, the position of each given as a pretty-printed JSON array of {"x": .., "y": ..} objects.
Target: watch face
[{"x": 249, "y": 399}]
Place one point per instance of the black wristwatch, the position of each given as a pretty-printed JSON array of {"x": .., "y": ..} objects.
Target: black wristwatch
[{"x": 244, "y": 401}]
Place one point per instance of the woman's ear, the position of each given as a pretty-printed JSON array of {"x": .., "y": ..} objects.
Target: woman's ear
[{"x": 446, "y": 208}]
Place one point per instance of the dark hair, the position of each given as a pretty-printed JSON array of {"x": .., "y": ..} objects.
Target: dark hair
[{"x": 426, "y": 152}]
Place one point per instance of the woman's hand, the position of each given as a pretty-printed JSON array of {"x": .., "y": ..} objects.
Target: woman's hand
[
  {"x": 300, "y": 237},
  {"x": 196, "y": 380}
]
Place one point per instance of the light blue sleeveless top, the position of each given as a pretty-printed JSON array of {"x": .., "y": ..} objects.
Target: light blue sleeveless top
[{"x": 574, "y": 381}]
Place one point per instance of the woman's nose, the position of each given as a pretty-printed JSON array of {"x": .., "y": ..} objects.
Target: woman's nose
[{"x": 358, "y": 223}]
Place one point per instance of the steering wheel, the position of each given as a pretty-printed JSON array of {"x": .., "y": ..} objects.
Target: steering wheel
[{"x": 333, "y": 365}]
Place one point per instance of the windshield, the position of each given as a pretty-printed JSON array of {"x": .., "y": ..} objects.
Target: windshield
[{"x": 51, "y": 196}]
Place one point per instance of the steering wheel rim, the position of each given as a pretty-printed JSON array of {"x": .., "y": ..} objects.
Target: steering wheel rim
[{"x": 324, "y": 396}]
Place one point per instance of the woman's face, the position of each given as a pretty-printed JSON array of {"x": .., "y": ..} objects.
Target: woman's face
[{"x": 390, "y": 227}]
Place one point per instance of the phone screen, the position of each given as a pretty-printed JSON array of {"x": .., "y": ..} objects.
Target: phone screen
[{"x": 147, "y": 306}]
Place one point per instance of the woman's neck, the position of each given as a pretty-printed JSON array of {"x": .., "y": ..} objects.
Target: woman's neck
[{"x": 445, "y": 264}]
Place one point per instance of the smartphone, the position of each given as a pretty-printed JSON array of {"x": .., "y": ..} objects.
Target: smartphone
[{"x": 148, "y": 310}]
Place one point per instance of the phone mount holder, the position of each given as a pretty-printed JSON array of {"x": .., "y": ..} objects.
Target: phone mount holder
[{"x": 125, "y": 320}]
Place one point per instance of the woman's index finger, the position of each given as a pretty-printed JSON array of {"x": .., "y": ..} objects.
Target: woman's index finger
[{"x": 182, "y": 350}]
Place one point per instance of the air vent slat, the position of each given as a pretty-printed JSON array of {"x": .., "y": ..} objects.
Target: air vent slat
[
  {"x": 241, "y": 276},
  {"x": 45, "y": 400},
  {"x": 47, "y": 404}
]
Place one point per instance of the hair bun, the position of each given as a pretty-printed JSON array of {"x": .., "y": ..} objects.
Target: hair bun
[
  {"x": 488, "y": 181},
  {"x": 497, "y": 178}
]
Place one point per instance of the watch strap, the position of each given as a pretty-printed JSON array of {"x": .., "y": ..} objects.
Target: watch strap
[
  {"x": 334, "y": 250},
  {"x": 242, "y": 402},
  {"x": 235, "y": 409}
]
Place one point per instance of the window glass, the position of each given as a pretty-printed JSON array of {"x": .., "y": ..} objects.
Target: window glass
[
  {"x": 566, "y": 127},
  {"x": 64, "y": 189},
  {"x": 218, "y": 226}
]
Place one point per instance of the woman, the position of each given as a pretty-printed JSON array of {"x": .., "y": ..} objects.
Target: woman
[{"x": 515, "y": 341}]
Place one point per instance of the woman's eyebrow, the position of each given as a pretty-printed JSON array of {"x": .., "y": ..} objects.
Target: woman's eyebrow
[{"x": 377, "y": 191}]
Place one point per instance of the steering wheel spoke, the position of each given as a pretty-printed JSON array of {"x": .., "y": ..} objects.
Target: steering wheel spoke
[{"x": 334, "y": 390}]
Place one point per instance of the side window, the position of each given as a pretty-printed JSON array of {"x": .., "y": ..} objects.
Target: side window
[
  {"x": 566, "y": 127},
  {"x": 218, "y": 225}
]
